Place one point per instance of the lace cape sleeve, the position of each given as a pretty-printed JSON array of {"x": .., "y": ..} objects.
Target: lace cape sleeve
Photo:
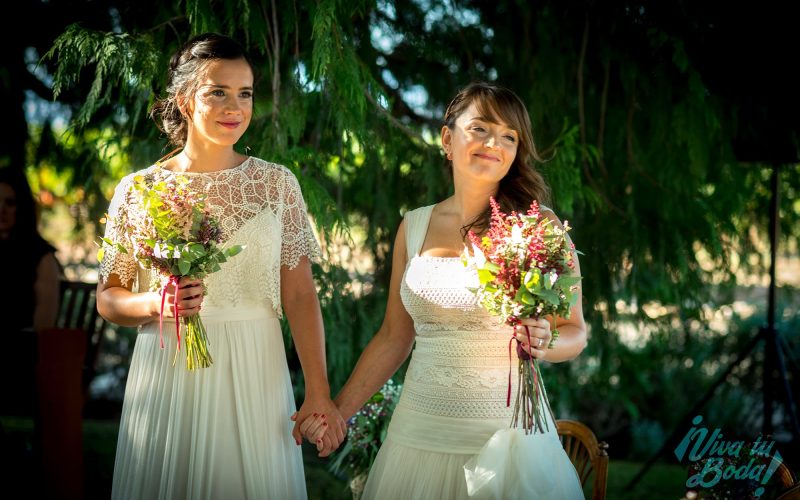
[
  {"x": 114, "y": 260},
  {"x": 297, "y": 238}
]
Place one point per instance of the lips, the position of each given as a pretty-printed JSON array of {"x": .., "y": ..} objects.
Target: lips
[
  {"x": 230, "y": 125},
  {"x": 487, "y": 157}
]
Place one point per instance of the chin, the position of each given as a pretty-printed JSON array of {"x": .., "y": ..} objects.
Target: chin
[{"x": 225, "y": 141}]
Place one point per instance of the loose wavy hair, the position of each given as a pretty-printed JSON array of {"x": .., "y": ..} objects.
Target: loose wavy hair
[{"x": 523, "y": 183}]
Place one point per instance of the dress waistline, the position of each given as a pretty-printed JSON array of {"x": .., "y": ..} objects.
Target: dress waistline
[
  {"x": 442, "y": 434},
  {"x": 212, "y": 314}
]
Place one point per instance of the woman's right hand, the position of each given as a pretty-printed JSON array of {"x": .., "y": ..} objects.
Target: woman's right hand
[
  {"x": 316, "y": 430},
  {"x": 189, "y": 296}
]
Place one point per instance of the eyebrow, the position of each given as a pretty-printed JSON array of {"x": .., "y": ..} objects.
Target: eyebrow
[
  {"x": 493, "y": 121},
  {"x": 217, "y": 86}
]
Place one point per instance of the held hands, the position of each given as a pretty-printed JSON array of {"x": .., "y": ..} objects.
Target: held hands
[
  {"x": 320, "y": 422},
  {"x": 535, "y": 339},
  {"x": 190, "y": 298}
]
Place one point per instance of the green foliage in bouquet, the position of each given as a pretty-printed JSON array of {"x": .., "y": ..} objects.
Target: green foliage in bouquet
[{"x": 172, "y": 232}]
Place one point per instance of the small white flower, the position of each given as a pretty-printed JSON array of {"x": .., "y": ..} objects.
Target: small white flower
[
  {"x": 516, "y": 234},
  {"x": 477, "y": 256},
  {"x": 160, "y": 251}
]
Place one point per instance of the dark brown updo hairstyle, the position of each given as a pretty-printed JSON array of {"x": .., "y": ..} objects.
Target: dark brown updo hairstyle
[
  {"x": 186, "y": 70},
  {"x": 523, "y": 183}
]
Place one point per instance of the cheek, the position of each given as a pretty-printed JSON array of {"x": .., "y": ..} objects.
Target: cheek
[
  {"x": 511, "y": 153},
  {"x": 201, "y": 109}
]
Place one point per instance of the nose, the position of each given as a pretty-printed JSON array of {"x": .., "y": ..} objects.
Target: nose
[
  {"x": 232, "y": 106},
  {"x": 491, "y": 142}
]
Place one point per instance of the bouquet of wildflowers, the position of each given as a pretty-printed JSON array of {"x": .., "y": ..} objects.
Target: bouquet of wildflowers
[
  {"x": 366, "y": 431},
  {"x": 172, "y": 233},
  {"x": 525, "y": 269}
]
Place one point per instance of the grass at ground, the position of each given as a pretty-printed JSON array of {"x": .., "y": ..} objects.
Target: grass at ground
[{"x": 663, "y": 481}]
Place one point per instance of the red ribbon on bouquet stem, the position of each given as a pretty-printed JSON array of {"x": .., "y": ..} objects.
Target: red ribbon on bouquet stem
[
  {"x": 173, "y": 280},
  {"x": 508, "y": 395}
]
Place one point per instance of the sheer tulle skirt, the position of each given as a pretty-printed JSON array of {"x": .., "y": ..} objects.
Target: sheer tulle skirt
[{"x": 218, "y": 432}]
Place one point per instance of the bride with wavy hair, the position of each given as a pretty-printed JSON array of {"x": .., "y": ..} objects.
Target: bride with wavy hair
[{"x": 449, "y": 436}]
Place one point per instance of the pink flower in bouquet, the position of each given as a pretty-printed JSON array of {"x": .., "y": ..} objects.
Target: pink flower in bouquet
[
  {"x": 525, "y": 268},
  {"x": 172, "y": 232}
]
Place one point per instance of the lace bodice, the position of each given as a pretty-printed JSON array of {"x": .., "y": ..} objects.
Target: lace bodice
[
  {"x": 258, "y": 204},
  {"x": 460, "y": 362}
]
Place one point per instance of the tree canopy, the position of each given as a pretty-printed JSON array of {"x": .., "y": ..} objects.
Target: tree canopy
[{"x": 661, "y": 122}]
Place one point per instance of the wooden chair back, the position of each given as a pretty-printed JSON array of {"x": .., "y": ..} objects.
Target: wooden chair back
[
  {"x": 789, "y": 487},
  {"x": 586, "y": 453}
]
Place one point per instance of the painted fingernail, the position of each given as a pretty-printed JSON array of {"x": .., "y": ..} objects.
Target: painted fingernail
[
  {"x": 324, "y": 416},
  {"x": 298, "y": 442},
  {"x": 315, "y": 414},
  {"x": 324, "y": 424}
]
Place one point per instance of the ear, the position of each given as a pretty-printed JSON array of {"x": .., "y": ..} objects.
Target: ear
[
  {"x": 447, "y": 137},
  {"x": 185, "y": 106}
]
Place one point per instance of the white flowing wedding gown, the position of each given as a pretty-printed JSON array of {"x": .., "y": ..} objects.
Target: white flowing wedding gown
[
  {"x": 449, "y": 437},
  {"x": 222, "y": 431}
]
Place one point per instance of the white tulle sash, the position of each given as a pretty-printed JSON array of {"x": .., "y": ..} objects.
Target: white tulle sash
[{"x": 513, "y": 465}]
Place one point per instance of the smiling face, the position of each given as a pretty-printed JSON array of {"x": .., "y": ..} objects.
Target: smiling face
[
  {"x": 222, "y": 106},
  {"x": 481, "y": 147}
]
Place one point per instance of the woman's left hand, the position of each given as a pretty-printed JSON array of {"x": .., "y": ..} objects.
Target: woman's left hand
[{"x": 535, "y": 339}]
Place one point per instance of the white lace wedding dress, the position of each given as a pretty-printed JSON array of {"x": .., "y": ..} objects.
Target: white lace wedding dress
[
  {"x": 449, "y": 437},
  {"x": 223, "y": 431}
]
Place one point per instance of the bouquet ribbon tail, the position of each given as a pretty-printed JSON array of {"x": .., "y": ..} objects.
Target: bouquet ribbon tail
[
  {"x": 161, "y": 318},
  {"x": 508, "y": 393}
]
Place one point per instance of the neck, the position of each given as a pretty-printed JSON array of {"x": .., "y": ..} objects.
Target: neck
[
  {"x": 469, "y": 200},
  {"x": 205, "y": 158}
]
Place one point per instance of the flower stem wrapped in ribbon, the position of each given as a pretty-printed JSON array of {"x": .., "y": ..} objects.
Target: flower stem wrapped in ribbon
[
  {"x": 172, "y": 233},
  {"x": 526, "y": 270}
]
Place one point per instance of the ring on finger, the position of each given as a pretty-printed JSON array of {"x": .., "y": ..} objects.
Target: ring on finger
[{"x": 539, "y": 344}]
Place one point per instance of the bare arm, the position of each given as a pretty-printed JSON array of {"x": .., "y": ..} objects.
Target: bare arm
[
  {"x": 118, "y": 304},
  {"x": 389, "y": 347},
  {"x": 48, "y": 276},
  {"x": 571, "y": 332},
  {"x": 301, "y": 305}
]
